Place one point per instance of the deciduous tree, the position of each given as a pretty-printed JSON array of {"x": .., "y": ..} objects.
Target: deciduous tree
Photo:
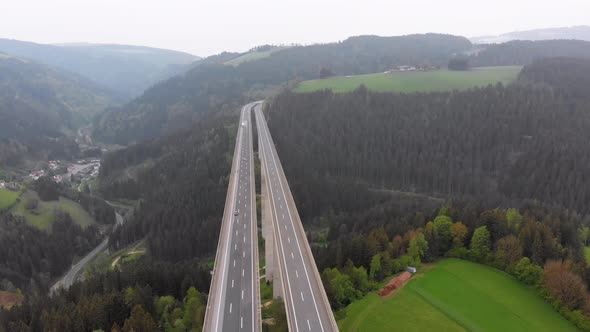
[
  {"x": 480, "y": 244},
  {"x": 565, "y": 285},
  {"x": 508, "y": 251}
]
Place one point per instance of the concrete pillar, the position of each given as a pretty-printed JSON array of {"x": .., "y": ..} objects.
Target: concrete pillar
[
  {"x": 267, "y": 230},
  {"x": 270, "y": 249}
]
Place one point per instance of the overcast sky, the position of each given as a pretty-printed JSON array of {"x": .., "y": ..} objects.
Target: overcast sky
[{"x": 209, "y": 27}]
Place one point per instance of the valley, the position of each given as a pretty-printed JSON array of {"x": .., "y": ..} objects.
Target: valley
[{"x": 283, "y": 187}]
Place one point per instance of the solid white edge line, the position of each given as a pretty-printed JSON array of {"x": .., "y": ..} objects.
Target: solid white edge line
[
  {"x": 225, "y": 259},
  {"x": 271, "y": 200},
  {"x": 295, "y": 232}
]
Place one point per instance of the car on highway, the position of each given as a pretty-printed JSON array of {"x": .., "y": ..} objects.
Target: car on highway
[{"x": 236, "y": 212}]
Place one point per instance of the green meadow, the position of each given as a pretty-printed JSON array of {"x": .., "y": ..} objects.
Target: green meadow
[
  {"x": 252, "y": 56},
  {"x": 456, "y": 295},
  {"x": 44, "y": 215},
  {"x": 8, "y": 198},
  {"x": 415, "y": 81}
]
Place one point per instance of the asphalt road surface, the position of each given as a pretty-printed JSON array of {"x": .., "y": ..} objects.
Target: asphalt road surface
[
  {"x": 305, "y": 299},
  {"x": 74, "y": 272},
  {"x": 234, "y": 298}
]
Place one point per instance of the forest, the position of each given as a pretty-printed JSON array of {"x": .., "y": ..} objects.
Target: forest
[
  {"x": 181, "y": 195},
  {"x": 524, "y": 52},
  {"x": 501, "y": 144},
  {"x": 30, "y": 259},
  {"x": 142, "y": 297}
]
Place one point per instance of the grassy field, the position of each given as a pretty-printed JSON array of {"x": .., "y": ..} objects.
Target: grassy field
[
  {"x": 415, "y": 81},
  {"x": 252, "y": 56},
  {"x": 8, "y": 198},
  {"x": 44, "y": 215},
  {"x": 456, "y": 295}
]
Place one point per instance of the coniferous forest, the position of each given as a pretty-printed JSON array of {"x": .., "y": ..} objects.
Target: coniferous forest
[{"x": 499, "y": 143}]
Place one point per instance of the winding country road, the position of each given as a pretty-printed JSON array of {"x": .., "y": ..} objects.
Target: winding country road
[{"x": 72, "y": 275}]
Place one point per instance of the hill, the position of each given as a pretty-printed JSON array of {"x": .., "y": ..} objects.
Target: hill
[
  {"x": 498, "y": 143},
  {"x": 181, "y": 181},
  {"x": 459, "y": 296},
  {"x": 521, "y": 52},
  {"x": 253, "y": 55},
  {"x": 415, "y": 81},
  {"x": 576, "y": 32},
  {"x": 41, "y": 108},
  {"x": 214, "y": 86},
  {"x": 127, "y": 70}
]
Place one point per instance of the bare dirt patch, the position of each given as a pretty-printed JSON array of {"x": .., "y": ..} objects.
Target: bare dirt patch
[
  {"x": 9, "y": 299},
  {"x": 396, "y": 283}
]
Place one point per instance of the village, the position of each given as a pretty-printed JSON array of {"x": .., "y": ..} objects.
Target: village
[
  {"x": 60, "y": 171},
  {"x": 77, "y": 174},
  {"x": 411, "y": 68}
]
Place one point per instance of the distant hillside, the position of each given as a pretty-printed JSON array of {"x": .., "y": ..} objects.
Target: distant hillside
[
  {"x": 575, "y": 32},
  {"x": 213, "y": 86},
  {"x": 523, "y": 52},
  {"x": 520, "y": 141},
  {"x": 41, "y": 107},
  {"x": 128, "y": 70},
  {"x": 568, "y": 76}
]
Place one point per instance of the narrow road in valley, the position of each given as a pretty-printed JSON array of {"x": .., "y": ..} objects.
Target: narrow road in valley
[{"x": 72, "y": 275}]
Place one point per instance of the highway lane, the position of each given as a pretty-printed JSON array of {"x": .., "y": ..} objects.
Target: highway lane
[
  {"x": 234, "y": 298},
  {"x": 305, "y": 299}
]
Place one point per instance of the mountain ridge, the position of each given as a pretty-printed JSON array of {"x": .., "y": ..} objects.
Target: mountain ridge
[
  {"x": 119, "y": 67},
  {"x": 580, "y": 32},
  {"x": 41, "y": 108}
]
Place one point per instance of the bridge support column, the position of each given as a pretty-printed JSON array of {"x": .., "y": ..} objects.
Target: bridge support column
[{"x": 271, "y": 272}]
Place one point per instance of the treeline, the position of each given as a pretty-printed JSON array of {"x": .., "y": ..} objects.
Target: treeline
[
  {"x": 30, "y": 258},
  {"x": 501, "y": 144},
  {"x": 353, "y": 56},
  {"x": 212, "y": 87},
  {"x": 524, "y": 52},
  {"x": 181, "y": 194},
  {"x": 540, "y": 247},
  {"x": 567, "y": 76},
  {"x": 144, "y": 296}
]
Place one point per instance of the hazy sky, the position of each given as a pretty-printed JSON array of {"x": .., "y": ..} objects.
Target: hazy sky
[{"x": 209, "y": 27}]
